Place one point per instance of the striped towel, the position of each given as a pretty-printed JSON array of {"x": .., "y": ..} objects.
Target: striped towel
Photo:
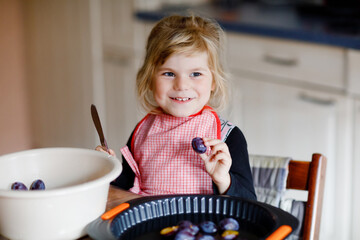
[{"x": 269, "y": 175}]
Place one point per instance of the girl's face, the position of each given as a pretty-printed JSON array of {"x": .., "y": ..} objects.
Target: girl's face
[{"x": 182, "y": 85}]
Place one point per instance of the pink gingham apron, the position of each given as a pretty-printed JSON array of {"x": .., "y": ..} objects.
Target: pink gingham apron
[{"x": 163, "y": 160}]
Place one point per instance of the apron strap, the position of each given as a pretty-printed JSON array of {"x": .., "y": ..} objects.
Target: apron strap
[
  {"x": 133, "y": 165},
  {"x": 226, "y": 128}
]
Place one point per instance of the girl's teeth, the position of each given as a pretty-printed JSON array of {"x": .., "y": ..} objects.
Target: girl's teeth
[{"x": 182, "y": 99}]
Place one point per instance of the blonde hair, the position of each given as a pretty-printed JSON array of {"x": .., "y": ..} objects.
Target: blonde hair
[{"x": 183, "y": 34}]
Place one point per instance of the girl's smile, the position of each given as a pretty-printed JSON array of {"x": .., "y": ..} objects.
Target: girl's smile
[
  {"x": 181, "y": 99},
  {"x": 183, "y": 84}
]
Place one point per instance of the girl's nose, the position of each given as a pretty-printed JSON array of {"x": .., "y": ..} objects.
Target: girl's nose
[{"x": 181, "y": 83}]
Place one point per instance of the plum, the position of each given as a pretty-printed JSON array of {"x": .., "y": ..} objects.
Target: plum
[
  {"x": 198, "y": 145},
  {"x": 193, "y": 230},
  {"x": 229, "y": 224},
  {"x": 208, "y": 227},
  {"x": 184, "y": 235},
  {"x": 184, "y": 224},
  {"x": 38, "y": 184},
  {"x": 205, "y": 237},
  {"x": 227, "y": 229},
  {"x": 18, "y": 186}
]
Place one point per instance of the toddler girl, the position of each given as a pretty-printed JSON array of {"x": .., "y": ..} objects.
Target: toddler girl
[{"x": 181, "y": 83}]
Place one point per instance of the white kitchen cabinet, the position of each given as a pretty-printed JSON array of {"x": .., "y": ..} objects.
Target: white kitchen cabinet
[
  {"x": 282, "y": 120},
  {"x": 285, "y": 120},
  {"x": 295, "y": 61},
  {"x": 353, "y": 70},
  {"x": 283, "y": 111},
  {"x": 354, "y": 88},
  {"x": 356, "y": 176}
]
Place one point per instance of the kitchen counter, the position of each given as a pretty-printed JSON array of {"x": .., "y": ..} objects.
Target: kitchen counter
[{"x": 288, "y": 22}]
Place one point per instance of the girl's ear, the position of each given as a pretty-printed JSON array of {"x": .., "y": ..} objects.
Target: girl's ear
[{"x": 213, "y": 85}]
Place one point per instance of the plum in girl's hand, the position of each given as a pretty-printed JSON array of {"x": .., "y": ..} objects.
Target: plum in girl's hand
[{"x": 198, "y": 145}]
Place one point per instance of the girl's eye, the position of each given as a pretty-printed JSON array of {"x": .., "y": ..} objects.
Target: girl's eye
[
  {"x": 168, "y": 74},
  {"x": 195, "y": 74}
]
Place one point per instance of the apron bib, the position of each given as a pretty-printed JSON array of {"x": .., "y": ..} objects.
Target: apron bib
[{"x": 163, "y": 160}]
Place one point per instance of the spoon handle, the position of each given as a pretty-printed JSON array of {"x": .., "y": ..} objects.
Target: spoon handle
[{"x": 97, "y": 123}]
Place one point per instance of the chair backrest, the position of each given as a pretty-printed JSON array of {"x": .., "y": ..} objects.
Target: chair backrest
[{"x": 309, "y": 176}]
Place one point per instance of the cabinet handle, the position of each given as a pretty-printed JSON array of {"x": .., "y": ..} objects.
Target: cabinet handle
[
  {"x": 280, "y": 60},
  {"x": 316, "y": 100}
]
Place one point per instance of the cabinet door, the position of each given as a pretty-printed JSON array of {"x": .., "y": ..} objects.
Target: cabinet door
[
  {"x": 356, "y": 176},
  {"x": 287, "y": 121},
  {"x": 283, "y": 120},
  {"x": 353, "y": 71}
]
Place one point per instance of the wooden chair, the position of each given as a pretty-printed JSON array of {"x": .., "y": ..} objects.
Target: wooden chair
[{"x": 309, "y": 176}]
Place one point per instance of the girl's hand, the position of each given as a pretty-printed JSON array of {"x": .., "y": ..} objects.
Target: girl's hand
[
  {"x": 218, "y": 163},
  {"x": 103, "y": 149}
]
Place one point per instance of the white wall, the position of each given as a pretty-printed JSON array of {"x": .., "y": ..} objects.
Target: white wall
[{"x": 15, "y": 131}]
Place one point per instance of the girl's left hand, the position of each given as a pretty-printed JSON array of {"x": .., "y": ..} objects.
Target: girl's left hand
[{"x": 218, "y": 163}]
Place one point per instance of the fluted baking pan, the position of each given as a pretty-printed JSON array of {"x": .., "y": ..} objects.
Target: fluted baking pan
[{"x": 143, "y": 218}]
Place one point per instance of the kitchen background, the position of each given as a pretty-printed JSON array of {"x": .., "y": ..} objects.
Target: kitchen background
[{"x": 295, "y": 80}]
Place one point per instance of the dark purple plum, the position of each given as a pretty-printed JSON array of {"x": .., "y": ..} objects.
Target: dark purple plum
[
  {"x": 208, "y": 227},
  {"x": 184, "y": 224},
  {"x": 227, "y": 229},
  {"x": 184, "y": 235},
  {"x": 229, "y": 224},
  {"x": 198, "y": 145},
  {"x": 193, "y": 230},
  {"x": 38, "y": 184},
  {"x": 229, "y": 234},
  {"x": 205, "y": 237},
  {"x": 18, "y": 186}
]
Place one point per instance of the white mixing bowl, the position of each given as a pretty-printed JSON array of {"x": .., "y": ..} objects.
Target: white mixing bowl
[{"x": 77, "y": 184}]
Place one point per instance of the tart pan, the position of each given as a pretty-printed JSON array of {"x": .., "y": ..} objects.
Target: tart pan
[{"x": 143, "y": 218}]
